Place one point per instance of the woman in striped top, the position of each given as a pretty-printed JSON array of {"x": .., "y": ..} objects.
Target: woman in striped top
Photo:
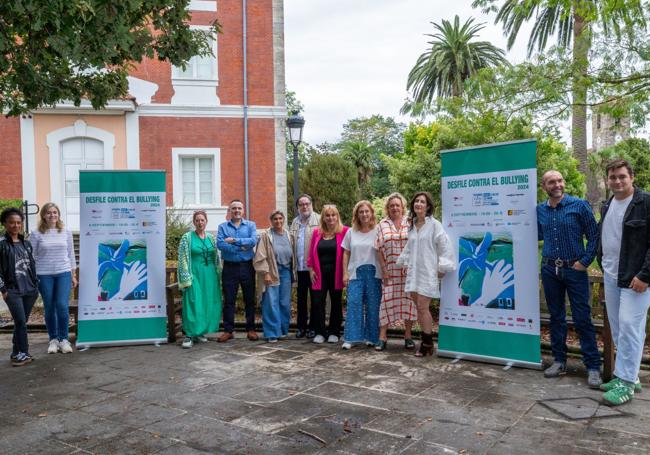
[{"x": 56, "y": 269}]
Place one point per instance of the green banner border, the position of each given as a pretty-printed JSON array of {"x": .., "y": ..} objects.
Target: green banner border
[
  {"x": 135, "y": 181},
  {"x": 490, "y": 343},
  {"x": 504, "y": 156},
  {"x": 112, "y": 330}
]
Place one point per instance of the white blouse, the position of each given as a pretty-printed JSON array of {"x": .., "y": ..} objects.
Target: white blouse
[
  {"x": 53, "y": 252},
  {"x": 427, "y": 252}
]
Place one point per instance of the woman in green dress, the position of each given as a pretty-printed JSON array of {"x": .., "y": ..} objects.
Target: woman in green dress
[{"x": 199, "y": 276}]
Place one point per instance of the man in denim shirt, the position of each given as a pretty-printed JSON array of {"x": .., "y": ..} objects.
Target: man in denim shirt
[
  {"x": 563, "y": 221},
  {"x": 236, "y": 239}
]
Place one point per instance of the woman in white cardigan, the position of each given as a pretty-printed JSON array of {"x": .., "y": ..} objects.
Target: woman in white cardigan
[{"x": 428, "y": 255}]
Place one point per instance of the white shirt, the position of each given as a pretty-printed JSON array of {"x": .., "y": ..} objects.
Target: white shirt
[
  {"x": 612, "y": 235},
  {"x": 361, "y": 246},
  {"x": 53, "y": 252},
  {"x": 427, "y": 252}
]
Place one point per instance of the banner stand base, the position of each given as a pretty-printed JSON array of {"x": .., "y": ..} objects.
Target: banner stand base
[
  {"x": 487, "y": 359},
  {"x": 83, "y": 346}
]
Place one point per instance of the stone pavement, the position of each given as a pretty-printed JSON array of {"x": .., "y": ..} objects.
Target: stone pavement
[{"x": 298, "y": 397}]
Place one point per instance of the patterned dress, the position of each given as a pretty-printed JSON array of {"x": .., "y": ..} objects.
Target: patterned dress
[{"x": 395, "y": 303}]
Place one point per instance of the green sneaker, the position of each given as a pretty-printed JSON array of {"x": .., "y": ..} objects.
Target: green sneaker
[
  {"x": 620, "y": 394},
  {"x": 606, "y": 387}
]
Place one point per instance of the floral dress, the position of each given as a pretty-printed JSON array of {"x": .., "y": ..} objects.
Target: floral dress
[{"x": 396, "y": 305}]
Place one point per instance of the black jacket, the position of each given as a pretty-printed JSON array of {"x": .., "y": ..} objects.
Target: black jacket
[
  {"x": 8, "y": 263},
  {"x": 634, "y": 260}
]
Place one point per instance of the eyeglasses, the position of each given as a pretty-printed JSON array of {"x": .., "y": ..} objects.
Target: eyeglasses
[{"x": 304, "y": 204}]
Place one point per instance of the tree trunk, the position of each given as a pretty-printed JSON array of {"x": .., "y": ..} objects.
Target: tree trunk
[{"x": 581, "y": 46}]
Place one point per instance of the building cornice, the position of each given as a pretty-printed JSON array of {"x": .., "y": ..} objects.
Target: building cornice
[
  {"x": 67, "y": 107},
  {"x": 224, "y": 111}
]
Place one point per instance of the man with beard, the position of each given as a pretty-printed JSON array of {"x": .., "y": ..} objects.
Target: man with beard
[{"x": 563, "y": 221}]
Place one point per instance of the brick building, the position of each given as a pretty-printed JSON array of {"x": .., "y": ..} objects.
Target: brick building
[{"x": 199, "y": 125}]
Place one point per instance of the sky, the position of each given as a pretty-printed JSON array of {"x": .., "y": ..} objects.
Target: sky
[{"x": 351, "y": 58}]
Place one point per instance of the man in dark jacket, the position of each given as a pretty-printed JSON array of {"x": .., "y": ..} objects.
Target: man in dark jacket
[{"x": 624, "y": 255}]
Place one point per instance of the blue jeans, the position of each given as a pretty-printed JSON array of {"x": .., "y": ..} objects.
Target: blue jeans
[
  {"x": 55, "y": 291},
  {"x": 276, "y": 305},
  {"x": 576, "y": 284},
  {"x": 362, "y": 316},
  {"x": 627, "y": 311}
]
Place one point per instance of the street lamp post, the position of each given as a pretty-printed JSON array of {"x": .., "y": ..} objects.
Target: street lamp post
[{"x": 295, "y": 123}]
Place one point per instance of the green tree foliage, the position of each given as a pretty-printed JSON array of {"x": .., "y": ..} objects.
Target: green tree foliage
[
  {"x": 83, "y": 49},
  {"x": 635, "y": 150},
  {"x": 176, "y": 227},
  {"x": 331, "y": 179},
  {"x": 453, "y": 57},
  {"x": 418, "y": 168},
  {"x": 573, "y": 23},
  {"x": 365, "y": 140}
]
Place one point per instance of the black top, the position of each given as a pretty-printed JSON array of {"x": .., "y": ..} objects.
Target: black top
[
  {"x": 327, "y": 254},
  {"x": 24, "y": 280}
]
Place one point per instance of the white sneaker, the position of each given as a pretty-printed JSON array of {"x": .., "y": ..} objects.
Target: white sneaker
[
  {"x": 187, "y": 343},
  {"x": 318, "y": 339},
  {"x": 53, "y": 347},
  {"x": 333, "y": 339},
  {"x": 65, "y": 346},
  {"x": 201, "y": 339},
  {"x": 272, "y": 340},
  {"x": 346, "y": 346}
]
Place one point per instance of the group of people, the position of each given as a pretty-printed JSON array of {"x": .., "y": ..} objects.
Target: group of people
[
  {"x": 391, "y": 270},
  {"x": 621, "y": 244},
  {"x": 45, "y": 263}
]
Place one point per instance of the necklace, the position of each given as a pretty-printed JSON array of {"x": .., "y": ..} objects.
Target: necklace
[{"x": 205, "y": 249}]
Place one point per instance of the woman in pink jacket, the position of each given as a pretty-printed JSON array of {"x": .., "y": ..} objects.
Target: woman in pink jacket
[{"x": 325, "y": 264}]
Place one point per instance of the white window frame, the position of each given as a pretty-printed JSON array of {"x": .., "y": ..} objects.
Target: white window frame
[
  {"x": 213, "y": 81},
  {"x": 177, "y": 175},
  {"x": 203, "y": 5}
]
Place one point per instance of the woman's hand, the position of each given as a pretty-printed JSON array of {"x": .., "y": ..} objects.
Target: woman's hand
[
  {"x": 346, "y": 279},
  {"x": 312, "y": 275},
  {"x": 74, "y": 281},
  {"x": 441, "y": 275},
  {"x": 267, "y": 279}
]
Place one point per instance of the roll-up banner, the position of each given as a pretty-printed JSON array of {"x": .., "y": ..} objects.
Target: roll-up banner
[
  {"x": 122, "y": 258},
  {"x": 489, "y": 310}
]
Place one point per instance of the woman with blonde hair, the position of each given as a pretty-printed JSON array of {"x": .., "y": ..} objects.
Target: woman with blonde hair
[
  {"x": 428, "y": 256},
  {"x": 275, "y": 265},
  {"x": 396, "y": 304},
  {"x": 56, "y": 267},
  {"x": 362, "y": 275},
  {"x": 199, "y": 275},
  {"x": 325, "y": 264}
]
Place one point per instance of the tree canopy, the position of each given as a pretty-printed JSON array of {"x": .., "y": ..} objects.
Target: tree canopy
[{"x": 83, "y": 49}]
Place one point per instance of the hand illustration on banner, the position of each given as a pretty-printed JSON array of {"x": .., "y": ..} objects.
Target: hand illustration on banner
[
  {"x": 122, "y": 273},
  {"x": 498, "y": 277},
  {"x": 132, "y": 277},
  {"x": 486, "y": 273}
]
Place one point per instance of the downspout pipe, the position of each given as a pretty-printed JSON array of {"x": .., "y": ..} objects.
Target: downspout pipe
[{"x": 245, "y": 81}]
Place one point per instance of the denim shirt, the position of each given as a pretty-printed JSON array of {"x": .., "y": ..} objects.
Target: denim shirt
[
  {"x": 245, "y": 236},
  {"x": 562, "y": 229}
]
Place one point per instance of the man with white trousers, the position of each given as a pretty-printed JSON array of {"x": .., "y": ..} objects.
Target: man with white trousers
[{"x": 624, "y": 255}]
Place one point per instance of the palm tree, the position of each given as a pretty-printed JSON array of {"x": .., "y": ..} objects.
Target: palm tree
[
  {"x": 453, "y": 57},
  {"x": 362, "y": 157},
  {"x": 572, "y": 22}
]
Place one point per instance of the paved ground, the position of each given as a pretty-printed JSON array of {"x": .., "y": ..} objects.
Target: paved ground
[{"x": 297, "y": 397}]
